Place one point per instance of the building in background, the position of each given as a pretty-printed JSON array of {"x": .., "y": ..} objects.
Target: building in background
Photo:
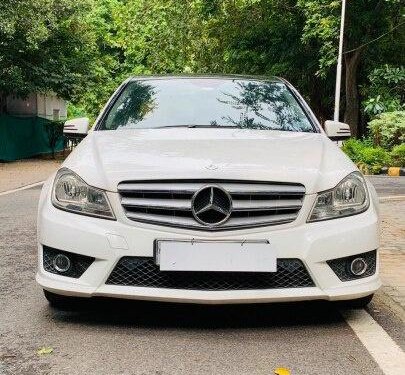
[
  {"x": 47, "y": 106},
  {"x": 27, "y": 128}
]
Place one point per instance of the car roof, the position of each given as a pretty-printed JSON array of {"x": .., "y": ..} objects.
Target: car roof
[{"x": 208, "y": 76}]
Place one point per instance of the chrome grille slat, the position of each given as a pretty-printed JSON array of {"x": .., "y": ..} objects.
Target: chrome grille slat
[
  {"x": 271, "y": 219},
  {"x": 174, "y": 204},
  {"x": 161, "y": 219},
  {"x": 230, "y": 224},
  {"x": 260, "y": 205},
  {"x": 238, "y": 205},
  {"x": 169, "y": 203}
]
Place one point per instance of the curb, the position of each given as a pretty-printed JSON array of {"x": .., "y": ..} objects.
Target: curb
[
  {"x": 391, "y": 198},
  {"x": 393, "y": 171}
]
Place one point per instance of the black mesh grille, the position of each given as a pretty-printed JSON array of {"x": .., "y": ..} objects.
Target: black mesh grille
[
  {"x": 341, "y": 266},
  {"x": 143, "y": 272},
  {"x": 80, "y": 263}
]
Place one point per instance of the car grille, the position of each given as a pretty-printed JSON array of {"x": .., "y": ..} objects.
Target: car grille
[
  {"x": 143, "y": 272},
  {"x": 169, "y": 203}
]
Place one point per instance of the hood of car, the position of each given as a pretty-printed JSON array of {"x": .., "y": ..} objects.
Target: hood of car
[{"x": 105, "y": 158}]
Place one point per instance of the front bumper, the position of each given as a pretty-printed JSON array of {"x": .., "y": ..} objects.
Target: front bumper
[{"x": 108, "y": 241}]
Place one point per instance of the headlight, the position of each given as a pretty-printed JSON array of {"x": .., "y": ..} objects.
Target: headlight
[
  {"x": 349, "y": 197},
  {"x": 71, "y": 193}
]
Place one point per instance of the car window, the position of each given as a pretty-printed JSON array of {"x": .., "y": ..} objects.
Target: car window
[{"x": 207, "y": 102}]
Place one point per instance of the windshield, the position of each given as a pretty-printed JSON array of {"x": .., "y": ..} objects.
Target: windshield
[{"x": 207, "y": 102}]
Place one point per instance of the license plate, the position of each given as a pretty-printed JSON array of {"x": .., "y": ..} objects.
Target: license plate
[{"x": 242, "y": 256}]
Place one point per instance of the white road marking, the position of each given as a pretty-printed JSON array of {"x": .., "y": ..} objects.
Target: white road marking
[
  {"x": 22, "y": 188},
  {"x": 392, "y": 198},
  {"x": 388, "y": 355}
]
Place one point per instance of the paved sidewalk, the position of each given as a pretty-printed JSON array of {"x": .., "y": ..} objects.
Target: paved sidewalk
[
  {"x": 392, "y": 250},
  {"x": 25, "y": 172}
]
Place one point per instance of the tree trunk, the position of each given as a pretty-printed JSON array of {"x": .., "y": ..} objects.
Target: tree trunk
[
  {"x": 352, "y": 107},
  {"x": 3, "y": 103}
]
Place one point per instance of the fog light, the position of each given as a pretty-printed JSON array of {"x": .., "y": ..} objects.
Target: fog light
[
  {"x": 61, "y": 263},
  {"x": 358, "y": 266}
]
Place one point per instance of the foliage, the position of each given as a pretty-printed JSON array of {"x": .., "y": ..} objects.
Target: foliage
[
  {"x": 388, "y": 75},
  {"x": 46, "y": 45},
  {"x": 54, "y": 130},
  {"x": 75, "y": 111},
  {"x": 353, "y": 148},
  {"x": 375, "y": 157},
  {"x": 388, "y": 129},
  {"x": 159, "y": 36},
  {"x": 386, "y": 91},
  {"x": 377, "y": 105},
  {"x": 369, "y": 159},
  {"x": 111, "y": 67},
  {"x": 289, "y": 38},
  {"x": 372, "y": 38},
  {"x": 398, "y": 155},
  {"x": 82, "y": 50},
  {"x": 322, "y": 23},
  {"x": 365, "y": 20}
]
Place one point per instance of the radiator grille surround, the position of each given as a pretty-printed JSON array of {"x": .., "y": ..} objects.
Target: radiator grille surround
[
  {"x": 172, "y": 203},
  {"x": 143, "y": 272}
]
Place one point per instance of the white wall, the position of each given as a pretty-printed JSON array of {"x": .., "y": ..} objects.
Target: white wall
[
  {"x": 22, "y": 107},
  {"x": 47, "y": 106},
  {"x": 49, "y": 103}
]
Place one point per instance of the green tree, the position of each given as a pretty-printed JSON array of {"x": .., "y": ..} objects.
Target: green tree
[
  {"x": 156, "y": 36},
  {"x": 374, "y": 34},
  {"x": 46, "y": 45},
  {"x": 83, "y": 50},
  {"x": 111, "y": 67}
]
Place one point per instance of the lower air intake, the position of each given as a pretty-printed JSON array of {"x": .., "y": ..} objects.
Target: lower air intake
[
  {"x": 341, "y": 266},
  {"x": 143, "y": 272},
  {"x": 79, "y": 263}
]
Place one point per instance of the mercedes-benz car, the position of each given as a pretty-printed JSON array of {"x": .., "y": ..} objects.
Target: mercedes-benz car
[{"x": 212, "y": 190}]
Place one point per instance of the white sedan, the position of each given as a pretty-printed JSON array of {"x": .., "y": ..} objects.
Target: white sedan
[{"x": 208, "y": 190}]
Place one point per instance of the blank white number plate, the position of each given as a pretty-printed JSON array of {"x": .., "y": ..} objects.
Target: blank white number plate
[{"x": 216, "y": 256}]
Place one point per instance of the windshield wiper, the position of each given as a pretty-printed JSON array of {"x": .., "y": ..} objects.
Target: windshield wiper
[
  {"x": 213, "y": 126},
  {"x": 171, "y": 126},
  {"x": 196, "y": 126}
]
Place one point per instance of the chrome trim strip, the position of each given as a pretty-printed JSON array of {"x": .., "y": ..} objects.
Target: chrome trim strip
[
  {"x": 264, "y": 205},
  {"x": 192, "y": 187},
  {"x": 164, "y": 204},
  {"x": 238, "y": 205},
  {"x": 189, "y": 223}
]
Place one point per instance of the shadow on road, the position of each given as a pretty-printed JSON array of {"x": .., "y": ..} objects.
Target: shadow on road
[{"x": 161, "y": 315}]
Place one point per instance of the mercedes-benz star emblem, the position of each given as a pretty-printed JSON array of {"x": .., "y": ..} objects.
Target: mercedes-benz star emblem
[
  {"x": 212, "y": 167},
  {"x": 211, "y": 205}
]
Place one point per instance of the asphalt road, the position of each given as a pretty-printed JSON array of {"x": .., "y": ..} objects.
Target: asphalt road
[
  {"x": 116, "y": 337},
  {"x": 388, "y": 186}
]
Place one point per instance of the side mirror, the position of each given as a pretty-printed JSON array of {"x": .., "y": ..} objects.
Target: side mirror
[
  {"x": 337, "y": 131},
  {"x": 77, "y": 127}
]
